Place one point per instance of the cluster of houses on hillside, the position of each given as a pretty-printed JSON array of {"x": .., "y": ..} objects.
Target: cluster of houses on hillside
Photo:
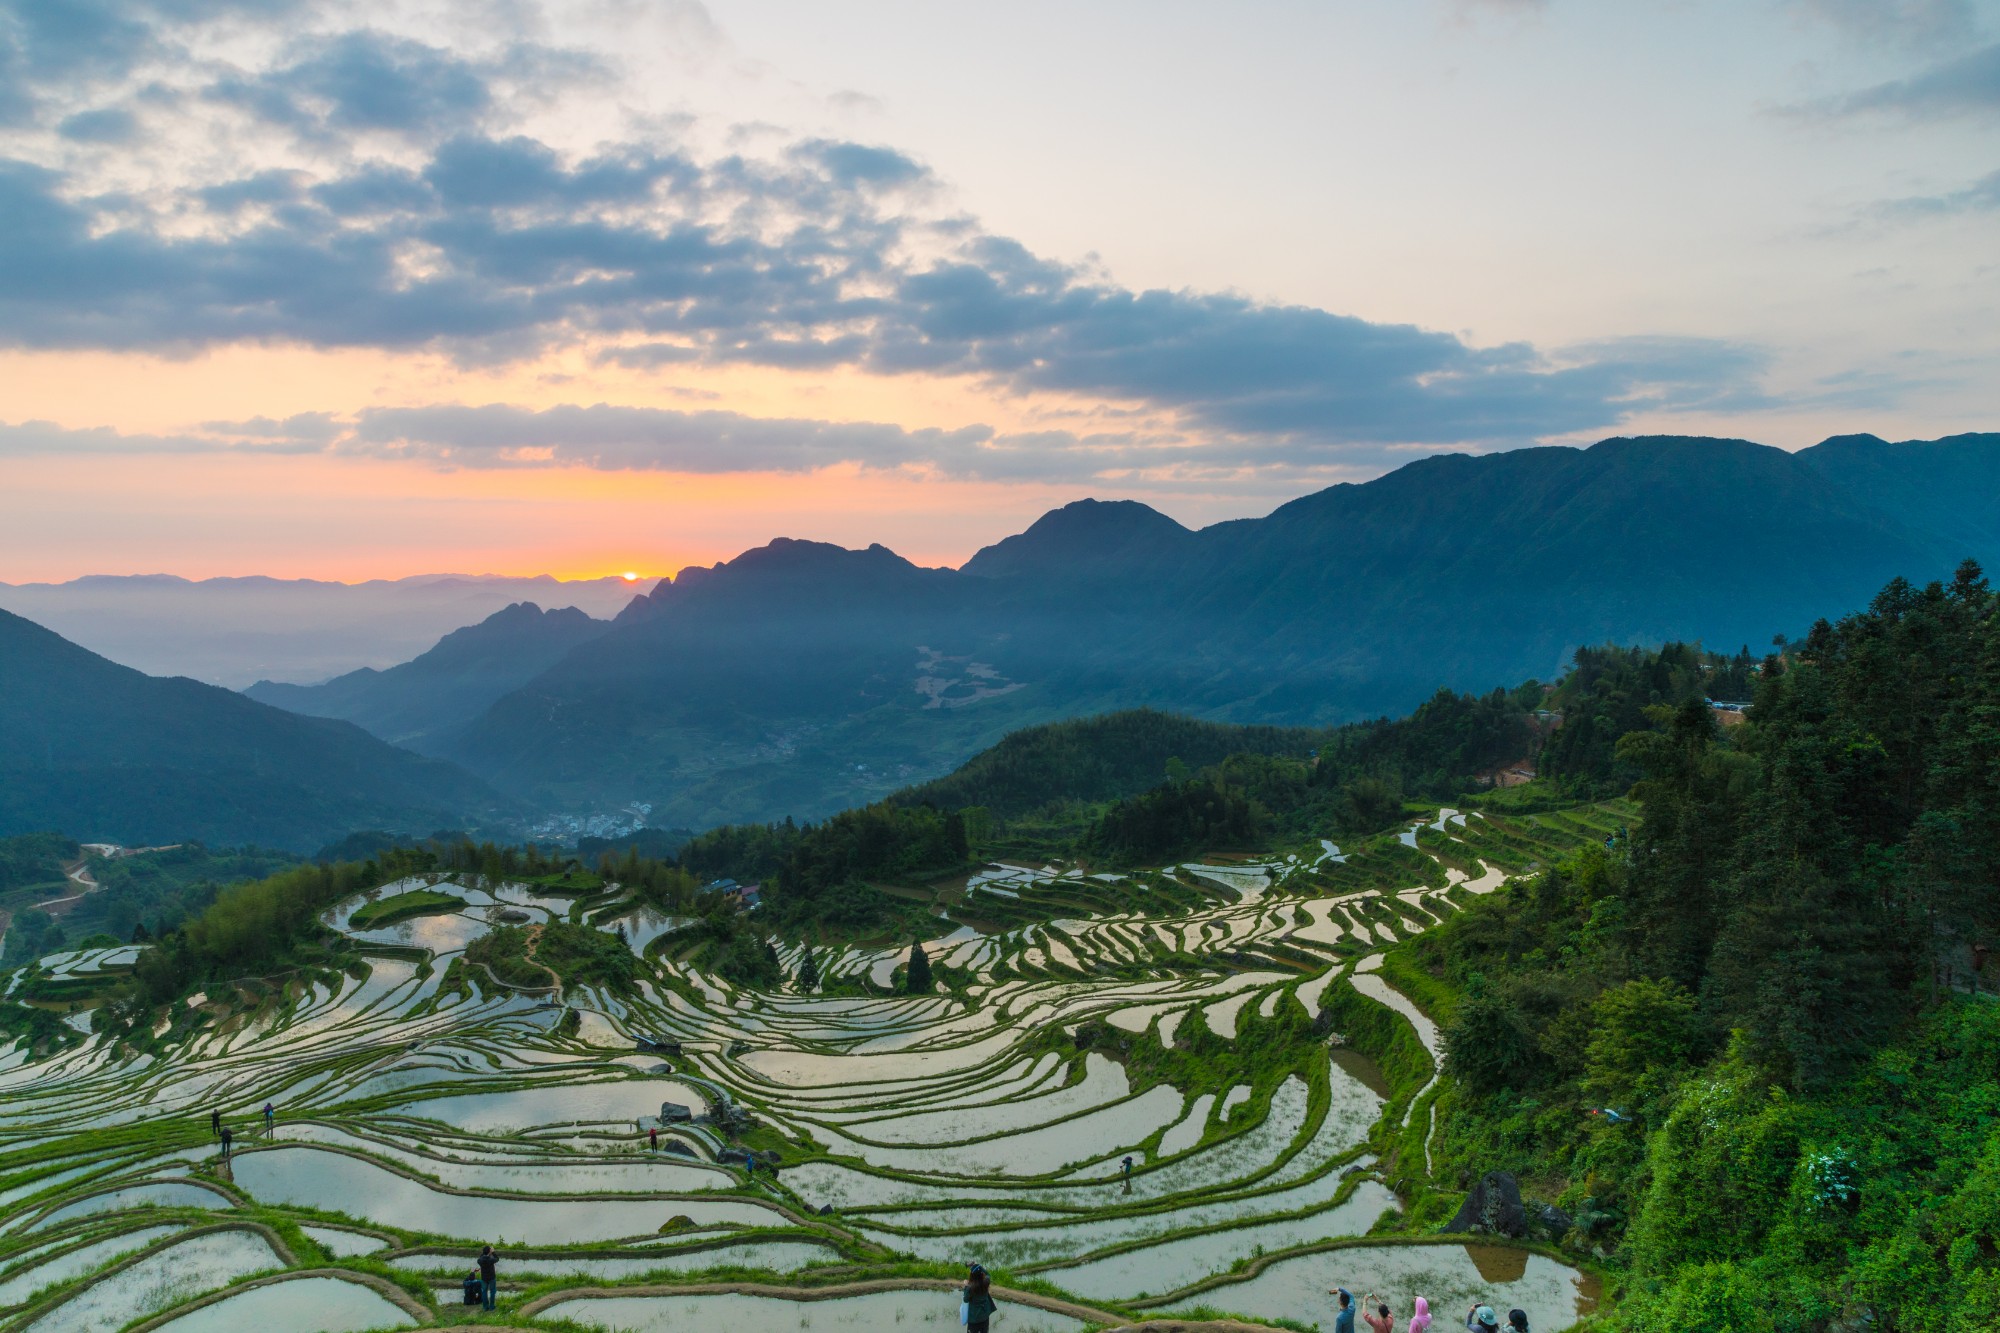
[
  {"x": 746, "y": 896},
  {"x": 1729, "y": 713}
]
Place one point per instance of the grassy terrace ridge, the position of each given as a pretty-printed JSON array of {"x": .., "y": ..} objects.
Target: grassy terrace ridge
[{"x": 403, "y": 906}]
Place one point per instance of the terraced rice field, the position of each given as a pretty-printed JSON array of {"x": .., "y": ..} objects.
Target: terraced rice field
[{"x": 1179, "y": 1019}]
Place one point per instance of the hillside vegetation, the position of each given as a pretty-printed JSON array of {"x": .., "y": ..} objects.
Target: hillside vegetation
[
  {"x": 1094, "y": 759},
  {"x": 106, "y": 753},
  {"x": 1772, "y": 983},
  {"x": 1120, "y": 791}
]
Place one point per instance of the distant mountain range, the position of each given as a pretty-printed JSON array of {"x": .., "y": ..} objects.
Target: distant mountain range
[
  {"x": 445, "y": 688},
  {"x": 105, "y": 753},
  {"x": 232, "y": 631},
  {"x": 799, "y": 677}
]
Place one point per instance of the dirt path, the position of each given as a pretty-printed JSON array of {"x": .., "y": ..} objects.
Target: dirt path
[
  {"x": 534, "y": 942},
  {"x": 77, "y": 873}
]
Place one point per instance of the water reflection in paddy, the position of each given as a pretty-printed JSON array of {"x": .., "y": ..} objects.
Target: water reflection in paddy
[
  {"x": 315, "y": 1178},
  {"x": 298, "y": 1305},
  {"x": 1173, "y": 1264},
  {"x": 1452, "y": 1278},
  {"x": 1363, "y": 1070},
  {"x": 16, "y": 1289},
  {"x": 651, "y": 1173},
  {"x": 915, "y": 1310},
  {"x": 160, "y": 1281},
  {"x": 165, "y": 1194},
  {"x": 525, "y": 1108},
  {"x": 778, "y": 1256},
  {"x": 441, "y": 933}
]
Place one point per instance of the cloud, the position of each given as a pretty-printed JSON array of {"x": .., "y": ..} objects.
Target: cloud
[
  {"x": 1915, "y": 24},
  {"x": 520, "y": 249},
  {"x": 304, "y": 430},
  {"x": 861, "y": 165},
  {"x": 371, "y": 81},
  {"x": 1968, "y": 85},
  {"x": 423, "y": 216},
  {"x": 471, "y": 172},
  {"x": 647, "y": 439},
  {"x": 855, "y": 102},
  {"x": 1982, "y": 196},
  {"x": 32, "y": 438},
  {"x": 106, "y": 125},
  {"x": 613, "y": 438}
]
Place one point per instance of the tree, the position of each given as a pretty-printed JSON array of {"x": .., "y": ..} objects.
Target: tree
[
  {"x": 1488, "y": 1044},
  {"x": 1692, "y": 792},
  {"x": 918, "y": 982},
  {"x": 809, "y": 972},
  {"x": 1645, "y": 1033}
]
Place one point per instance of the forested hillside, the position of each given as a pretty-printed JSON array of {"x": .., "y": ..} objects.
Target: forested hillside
[
  {"x": 1142, "y": 787},
  {"x": 138, "y": 896},
  {"x": 106, "y": 753},
  {"x": 1095, "y": 759},
  {"x": 32, "y": 860},
  {"x": 1773, "y": 986}
]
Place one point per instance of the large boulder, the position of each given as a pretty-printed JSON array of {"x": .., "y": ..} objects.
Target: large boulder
[{"x": 1493, "y": 1206}]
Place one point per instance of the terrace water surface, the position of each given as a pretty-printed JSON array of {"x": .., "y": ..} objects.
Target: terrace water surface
[{"x": 872, "y": 1313}]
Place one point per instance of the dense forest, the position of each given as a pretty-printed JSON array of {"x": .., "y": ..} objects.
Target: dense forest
[
  {"x": 1773, "y": 985},
  {"x": 1094, "y": 759},
  {"x": 35, "y": 860}
]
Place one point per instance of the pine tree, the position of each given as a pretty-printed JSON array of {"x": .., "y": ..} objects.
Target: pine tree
[
  {"x": 809, "y": 972},
  {"x": 918, "y": 982}
]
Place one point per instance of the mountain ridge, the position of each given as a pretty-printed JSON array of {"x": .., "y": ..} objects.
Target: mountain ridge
[
  {"x": 801, "y": 677},
  {"x": 105, "y": 752},
  {"x": 449, "y": 684}
]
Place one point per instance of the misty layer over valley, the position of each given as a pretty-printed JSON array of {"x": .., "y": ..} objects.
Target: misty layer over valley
[{"x": 235, "y": 631}]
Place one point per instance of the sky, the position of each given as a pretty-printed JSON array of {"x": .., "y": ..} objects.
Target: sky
[{"x": 349, "y": 290}]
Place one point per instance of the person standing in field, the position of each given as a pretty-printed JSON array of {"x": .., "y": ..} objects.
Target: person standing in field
[
  {"x": 489, "y": 1277},
  {"x": 977, "y": 1296}
]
